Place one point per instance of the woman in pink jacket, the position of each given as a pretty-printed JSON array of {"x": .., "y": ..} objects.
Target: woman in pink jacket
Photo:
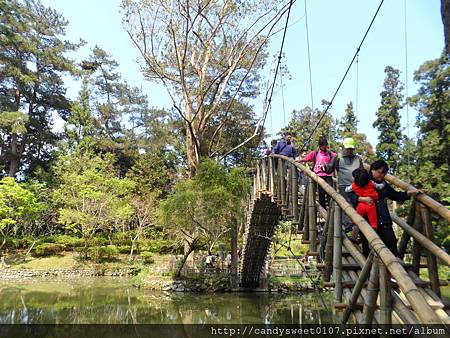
[{"x": 321, "y": 157}]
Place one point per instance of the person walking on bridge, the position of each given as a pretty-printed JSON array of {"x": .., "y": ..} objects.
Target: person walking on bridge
[
  {"x": 344, "y": 166},
  {"x": 286, "y": 147},
  {"x": 321, "y": 158}
]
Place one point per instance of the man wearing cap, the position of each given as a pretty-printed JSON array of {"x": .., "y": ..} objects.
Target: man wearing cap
[{"x": 344, "y": 166}]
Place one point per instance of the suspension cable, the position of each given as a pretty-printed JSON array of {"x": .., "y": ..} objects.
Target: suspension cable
[
  {"x": 406, "y": 103},
  {"x": 269, "y": 100},
  {"x": 282, "y": 97},
  {"x": 309, "y": 58},
  {"x": 343, "y": 78},
  {"x": 357, "y": 85}
]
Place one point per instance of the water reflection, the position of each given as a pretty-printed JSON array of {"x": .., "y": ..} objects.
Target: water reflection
[{"x": 107, "y": 300}]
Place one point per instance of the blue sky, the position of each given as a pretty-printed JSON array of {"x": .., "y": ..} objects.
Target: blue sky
[{"x": 335, "y": 30}]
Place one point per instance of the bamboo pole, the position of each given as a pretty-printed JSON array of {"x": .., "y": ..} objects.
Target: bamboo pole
[
  {"x": 406, "y": 236},
  {"x": 306, "y": 218},
  {"x": 303, "y": 209},
  {"x": 372, "y": 293},
  {"x": 417, "y": 248},
  {"x": 437, "y": 207},
  {"x": 417, "y": 301},
  {"x": 358, "y": 288},
  {"x": 272, "y": 175},
  {"x": 405, "y": 314},
  {"x": 337, "y": 254},
  {"x": 289, "y": 189},
  {"x": 282, "y": 178},
  {"x": 385, "y": 295},
  {"x": 263, "y": 174},
  {"x": 424, "y": 241},
  {"x": 312, "y": 218},
  {"x": 329, "y": 245},
  {"x": 324, "y": 235},
  {"x": 294, "y": 190},
  {"x": 279, "y": 178},
  {"x": 431, "y": 259}
]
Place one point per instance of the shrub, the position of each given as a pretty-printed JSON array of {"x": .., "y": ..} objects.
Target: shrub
[
  {"x": 102, "y": 253},
  {"x": 124, "y": 249},
  {"x": 147, "y": 257},
  {"x": 160, "y": 246},
  {"x": 69, "y": 242},
  {"x": 47, "y": 249}
]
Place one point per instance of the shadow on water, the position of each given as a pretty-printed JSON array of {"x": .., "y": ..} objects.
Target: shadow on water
[{"x": 116, "y": 301}]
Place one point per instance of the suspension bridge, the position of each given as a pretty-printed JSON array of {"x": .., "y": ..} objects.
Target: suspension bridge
[{"x": 378, "y": 289}]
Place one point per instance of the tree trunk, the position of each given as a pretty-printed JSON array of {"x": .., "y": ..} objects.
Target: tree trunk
[
  {"x": 445, "y": 11},
  {"x": 183, "y": 261},
  {"x": 234, "y": 256},
  {"x": 191, "y": 153},
  {"x": 14, "y": 159}
]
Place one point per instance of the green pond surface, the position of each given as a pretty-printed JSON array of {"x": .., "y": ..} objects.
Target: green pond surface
[{"x": 106, "y": 300}]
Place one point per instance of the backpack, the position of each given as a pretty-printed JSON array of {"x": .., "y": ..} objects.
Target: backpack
[
  {"x": 361, "y": 164},
  {"x": 315, "y": 156}
]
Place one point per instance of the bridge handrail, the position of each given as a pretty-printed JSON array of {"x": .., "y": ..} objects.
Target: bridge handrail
[
  {"x": 434, "y": 205},
  {"x": 391, "y": 262}
]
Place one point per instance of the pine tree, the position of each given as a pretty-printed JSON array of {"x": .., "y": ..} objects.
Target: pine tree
[
  {"x": 32, "y": 55},
  {"x": 388, "y": 118}
]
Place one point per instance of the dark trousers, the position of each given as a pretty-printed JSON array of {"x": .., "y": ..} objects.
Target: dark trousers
[
  {"x": 324, "y": 199},
  {"x": 387, "y": 235}
]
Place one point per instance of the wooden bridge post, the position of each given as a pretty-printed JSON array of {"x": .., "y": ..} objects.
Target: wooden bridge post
[
  {"x": 279, "y": 180},
  {"x": 294, "y": 190},
  {"x": 282, "y": 172},
  {"x": 264, "y": 174},
  {"x": 417, "y": 248},
  {"x": 385, "y": 295},
  {"x": 272, "y": 185},
  {"x": 312, "y": 218},
  {"x": 329, "y": 244},
  {"x": 372, "y": 293},
  {"x": 405, "y": 236},
  {"x": 302, "y": 216},
  {"x": 431, "y": 259},
  {"x": 287, "y": 206},
  {"x": 358, "y": 288},
  {"x": 306, "y": 208},
  {"x": 257, "y": 181},
  {"x": 337, "y": 254}
]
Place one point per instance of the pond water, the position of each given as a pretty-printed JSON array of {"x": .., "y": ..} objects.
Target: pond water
[{"x": 115, "y": 301}]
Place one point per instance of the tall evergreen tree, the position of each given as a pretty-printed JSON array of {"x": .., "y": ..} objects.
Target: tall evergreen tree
[
  {"x": 32, "y": 63},
  {"x": 388, "y": 118},
  {"x": 433, "y": 120},
  {"x": 348, "y": 127}
]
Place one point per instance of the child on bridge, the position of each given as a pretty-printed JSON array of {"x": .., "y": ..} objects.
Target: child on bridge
[{"x": 363, "y": 186}]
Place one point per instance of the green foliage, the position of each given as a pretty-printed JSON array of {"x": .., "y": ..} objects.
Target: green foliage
[
  {"x": 388, "y": 119},
  {"x": 205, "y": 206},
  {"x": 433, "y": 145},
  {"x": 47, "y": 249},
  {"x": 32, "y": 55},
  {"x": 150, "y": 174},
  {"x": 68, "y": 242},
  {"x": 103, "y": 253},
  {"x": 348, "y": 127},
  {"x": 18, "y": 207},
  {"x": 90, "y": 196},
  {"x": 147, "y": 257},
  {"x": 303, "y": 123}
]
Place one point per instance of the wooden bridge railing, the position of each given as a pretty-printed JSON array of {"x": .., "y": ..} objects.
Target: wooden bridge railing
[{"x": 415, "y": 301}]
